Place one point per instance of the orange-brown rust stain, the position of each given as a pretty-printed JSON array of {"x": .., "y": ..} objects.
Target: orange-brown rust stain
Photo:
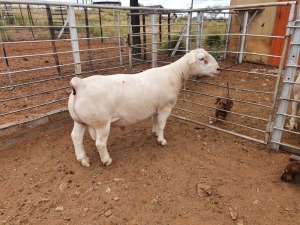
[{"x": 280, "y": 30}]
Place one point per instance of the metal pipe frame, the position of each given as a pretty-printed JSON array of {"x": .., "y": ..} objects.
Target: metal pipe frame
[
  {"x": 289, "y": 76},
  {"x": 52, "y": 3}
]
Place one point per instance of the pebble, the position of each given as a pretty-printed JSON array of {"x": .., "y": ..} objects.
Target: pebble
[
  {"x": 240, "y": 222},
  {"x": 108, "y": 190},
  {"x": 59, "y": 208},
  {"x": 62, "y": 186},
  {"x": 108, "y": 213},
  {"x": 117, "y": 180}
]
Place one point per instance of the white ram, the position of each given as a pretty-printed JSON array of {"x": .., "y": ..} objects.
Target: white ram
[
  {"x": 295, "y": 105},
  {"x": 99, "y": 102}
]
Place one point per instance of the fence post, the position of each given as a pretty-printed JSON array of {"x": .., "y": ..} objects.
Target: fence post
[
  {"x": 199, "y": 29},
  {"x": 100, "y": 21},
  {"x": 244, "y": 32},
  {"x": 52, "y": 35},
  {"x": 227, "y": 36},
  {"x": 154, "y": 40},
  {"x": 119, "y": 38},
  {"x": 288, "y": 78},
  {"x": 88, "y": 38},
  {"x": 129, "y": 43},
  {"x": 74, "y": 40},
  {"x": 188, "y": 28}
]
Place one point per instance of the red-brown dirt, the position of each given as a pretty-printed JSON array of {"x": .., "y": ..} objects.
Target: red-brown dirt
[{"x": 42, "y": 183}]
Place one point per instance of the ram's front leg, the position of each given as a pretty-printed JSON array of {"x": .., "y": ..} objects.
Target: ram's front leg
[{"x": 163, "y": 115}]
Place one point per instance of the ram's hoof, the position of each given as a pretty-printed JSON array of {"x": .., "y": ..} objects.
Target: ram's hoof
[
  {"x": 107, "y": 162},
  {"x": 162, "y": 142},
  {"x": 85, "y": 162}
]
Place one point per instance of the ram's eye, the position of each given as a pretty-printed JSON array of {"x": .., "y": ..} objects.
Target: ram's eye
[{"x": 201, "y": 59}]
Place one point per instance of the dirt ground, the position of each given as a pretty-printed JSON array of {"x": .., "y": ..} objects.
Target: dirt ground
[
  {"x": 239, "y": 181},
  {"x": 201, "y": 177}
]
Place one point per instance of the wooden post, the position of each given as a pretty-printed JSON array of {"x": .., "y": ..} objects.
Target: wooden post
[
  {"x": 88, "y": 38},
  {"x": 52, "y": 35},
  {"x": 101, "y": 31}
]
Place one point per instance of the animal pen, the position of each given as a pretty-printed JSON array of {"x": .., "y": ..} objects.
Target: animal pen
[{"x": 44, "y": 45}]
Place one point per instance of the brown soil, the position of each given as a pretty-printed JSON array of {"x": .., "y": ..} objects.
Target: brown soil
[{"x": 42, "y": 183}]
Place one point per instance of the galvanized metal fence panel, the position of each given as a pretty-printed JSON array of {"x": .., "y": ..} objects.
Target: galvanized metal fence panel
[
  {"x": 41, "y": 53},
  {"x": 284, "y": 136}
]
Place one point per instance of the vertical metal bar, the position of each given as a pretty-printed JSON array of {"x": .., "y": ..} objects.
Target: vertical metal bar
[
  {"x": 10, "y": 76},
  {"x": 119, "y": 38},
  {"x": 199, "y": 29},
  {"x": 100, "y": 21},
  {"x": 144, "y": 37},
  {"x": 52, "y": 35},
  {"x": 187, "y": 47},
  {"x": 21, "y": 14},
  {"x": 188, "y": 27},
  {"x": 61, "y": 14},
  {"x": 74, "y": 40},
  {"x": 154, "y": 40},
  {"x": 289, "y": 76},
  {"x": 227, "y": 36},
  {"x": 169, "y": 31},
  {"x": 87, "y": 29},
  {"x": 244, "y": 32},
  {"x": 30, "y": 20},
  {"x": 160, "y": 36},
  {"x": 129, "y": 42}
]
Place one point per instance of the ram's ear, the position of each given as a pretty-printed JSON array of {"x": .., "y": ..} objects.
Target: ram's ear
[
  {"x": 201, "y": 56},
  {"x": 192, "y": 56}
]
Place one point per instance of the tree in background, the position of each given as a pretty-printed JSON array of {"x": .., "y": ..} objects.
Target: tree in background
[{"x": 135, "y": 23}]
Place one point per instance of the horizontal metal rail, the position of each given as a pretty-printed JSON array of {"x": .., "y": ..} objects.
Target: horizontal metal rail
[
  {"x": 220, "y": 129},
  {"x": 151, "y": 9}
]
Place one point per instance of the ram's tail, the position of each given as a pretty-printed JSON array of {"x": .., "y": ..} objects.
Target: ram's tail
[{"x": 76, "y": 82}]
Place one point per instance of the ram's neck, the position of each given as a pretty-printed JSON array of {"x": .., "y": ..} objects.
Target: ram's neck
[{"x": 181, "y": 68}]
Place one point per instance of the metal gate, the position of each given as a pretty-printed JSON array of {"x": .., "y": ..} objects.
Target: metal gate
[{"x": 36, "y": 68}]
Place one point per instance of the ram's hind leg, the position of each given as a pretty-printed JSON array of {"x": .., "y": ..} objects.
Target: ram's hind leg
[
  {"x": 155, "y": 124},
  {"x": 102, "y": 133},
  {"x": 163, "y": 115},
  {"x": 77, "y": 138}
]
